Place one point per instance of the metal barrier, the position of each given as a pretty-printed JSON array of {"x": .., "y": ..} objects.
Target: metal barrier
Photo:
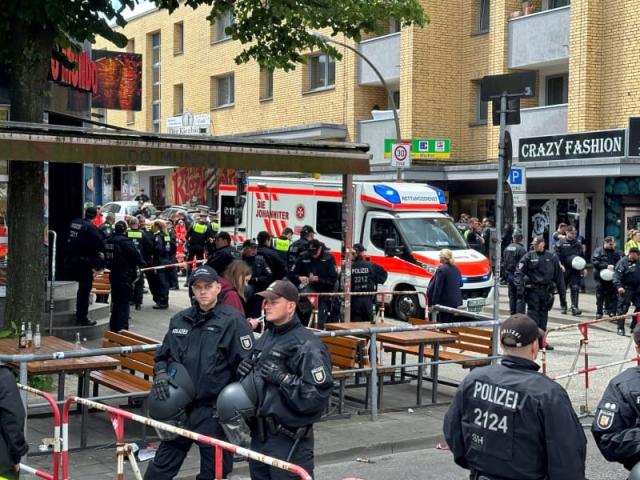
[
  {"x": 118, "y": 417},
  {"x": 56, "y": 436}
]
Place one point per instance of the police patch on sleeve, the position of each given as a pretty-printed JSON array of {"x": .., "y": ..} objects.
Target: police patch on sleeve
[
  {"x": 246, "y": 342},
  {"x": 319, "y": 375},
  {"x": 604, "y": 420}
]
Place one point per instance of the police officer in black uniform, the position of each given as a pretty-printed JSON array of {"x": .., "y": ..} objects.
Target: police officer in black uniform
[
  {"x": 509, "y": 422},
  {"x": 107, "y": 227},
  {"x": 163, "y": 250},
  {"x": 567, "y": 249},
  {"x": 144, "y": 245},
  {"x": 365, "y": 277},
  {"x": 626, "y": 280},
  {"x": 537, "y": 275},
  {"x": 261, "y": 277},
  {"x": 13, "y": 445},
  {"x": 210, "y": 340},
  {"x": 223, "y": 254},
  {"x": 282, "y": 244},
  {"x": 272, "y": 257},
  {"x": 604, "y": 258},
  {"x": 295, "y": 369},
  {"x": 84, "y": 254},
  {"x": 199, "y": 236},
  {"x": 172, "y": 272},
  {"x": 123, "y": 260},
  {"x": 510, "y": 259},
  {"x": 315, "y": 271},
  {"x": 616, "y": 426},
  {"x": 300, "y": 246}
]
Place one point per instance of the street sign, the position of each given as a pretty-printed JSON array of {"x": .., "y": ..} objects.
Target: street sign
[
  {"x": 517, "y": 179},
  {"x": 422, "y": 148},
  {"x": 522, "y": 84},
  {"x": 401, "y": 155},
  {"x": 519, "y": 199}
]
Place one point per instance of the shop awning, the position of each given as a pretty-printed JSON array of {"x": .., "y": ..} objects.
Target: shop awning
[{"x": 53, "y": 143}]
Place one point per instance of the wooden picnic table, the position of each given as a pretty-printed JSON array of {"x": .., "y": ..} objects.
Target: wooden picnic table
[{"x": 413, "y": 337}]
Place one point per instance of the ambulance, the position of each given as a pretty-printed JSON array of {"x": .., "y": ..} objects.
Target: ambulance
[{"x": 403, "y": 226}]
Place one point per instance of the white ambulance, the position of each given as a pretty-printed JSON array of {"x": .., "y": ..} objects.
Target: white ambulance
[{"x": 412, "y": 215}]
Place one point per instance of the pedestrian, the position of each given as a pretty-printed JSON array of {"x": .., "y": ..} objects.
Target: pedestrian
[
  {"x": 233, "y": 284},
  {"x": 626, "y": 280},
  {"x": 445, "y": 286},
  {"x": 569, "y": 251},
  {"x": 315, "y": 272},
  {"x": 261, "y": 277},
  {"x": 634, "y": 241},
  {"x": 615, "y": 426},
  {"x": 559, "y": 234},
  {"x": 510, "y": 422},
  {"x": 604, "y": 260},
  {"x": 209, "y": 340},
  {"x": 510, "y": 259},
  {"x": 536, "y": 277},
  {"x": 282, "y": 243},
  {"x": 299, "y": 246},
  {"x": 198, "y": 237},
  {"x": 84, "y": 251},
  {"x": 123, "y": 261},
  {"x": 473, "y": 235},
  {"x": 274, "y": 261},
  {"x": 106, "y": 228},
  {"x": 162, "y": 252},
  {"x": 223, "y": 254},
  {"x": 144, "y": 245},
  {"x": 141, "y": 196},
  {"x": 13, "y": 445},
  {"x": 365, "y": 277},
  {"x": 294, "y": 369}
]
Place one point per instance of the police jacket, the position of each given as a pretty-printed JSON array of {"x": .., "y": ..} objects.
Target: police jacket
[
  {"x": 602, "y": 258},
  {"x": 210, "y": 345},
  {"x": 220, "y": 258},
  {"x": 366, "y": 276},
  {"x": 164, "y": 248},
  {"x": 12, "y": 442},
  {"x": 511, "y": 256},
  {"x": 474, "y": 239},
  {"x": 121, "y": 254},
  {"x": 281, "y": 245},
  {"x": 302, "y": 397},
  {"x": 296, "y": 249},
  {"x": 615, "y": 427},
  {"x": 274, "y": 261},
  {"x": 537, "y": 270},
  {"x": 567, "y": 249},
  {"x": 198, "y": 236},
  {"x": 261, "y": 276},
  {"x": 324, "y": 267},
  {"x": 511, "y": 422},
  {"x": 85, "y": 243},
  {"x": 143, "y": 243},
  {"x": 626, "y": 274},
  {"x": 106, "y": 229}
]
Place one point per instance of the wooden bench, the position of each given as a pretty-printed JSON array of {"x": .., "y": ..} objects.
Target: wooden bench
[
  {"x": 101, "y": 284},
  {"x": 469, "y": 339}
]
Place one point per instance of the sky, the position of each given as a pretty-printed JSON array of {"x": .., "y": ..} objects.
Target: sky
[{"x": 141, "y": 7}]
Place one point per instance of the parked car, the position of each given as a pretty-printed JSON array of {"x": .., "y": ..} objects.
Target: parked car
[
  {"x": 125, "y": 208},
  {"x": 169, "y": 212}
]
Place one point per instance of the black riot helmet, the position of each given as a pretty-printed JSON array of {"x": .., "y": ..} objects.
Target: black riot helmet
[
  {"x": 236, "y": 403},
  {"x": 173, "y": 409}
]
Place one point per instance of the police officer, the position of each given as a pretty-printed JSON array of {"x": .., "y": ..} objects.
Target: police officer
[
  {"x": 107, "y": 226},
  {"x": 163, "y": 250},
  {"x": 626, "y": 280},
  {"x": 274, "y": 261},
  {"x": 616, "y": 426},
  {"x": 315, "y": 271},
  {"x": 172, "y": 272},
  {"x": 282, "y": 243},
  {"x": 536, "y": 277},
  {"x": 223, "y": 254},
  {"x": 144, "y": 245},
  {"x": 365, "y": 277},
  {"x": 605, "y": 258},
  {"x": 261, "y": 277},
  {"x": 209, "y": 340},
  {"x": 199, "y": 236},
  {"x": 510, "y": 259},
  {"x": 509, "y": 422},
  {"x": 295, "y": 370},
  {"x": 84, "y": 254},
  {"x": 13, "y": 445},
  {"x": 567, "y": 249},
  {"x": 123, "y": 260},
  {"x": 300, "y": 246}
]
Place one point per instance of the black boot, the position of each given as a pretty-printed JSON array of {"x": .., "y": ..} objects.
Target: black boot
[
  {"x": 575, "y": 311},
  {"x": 621, "y": 328},
  {"x": 563, "y": 309}
]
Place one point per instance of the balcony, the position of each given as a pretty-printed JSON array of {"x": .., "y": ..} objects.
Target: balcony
[
  {"x": 538, "y": 122},
  {"x": 374, "y": 132},
  {"x": 384, "y": 53},
  {"x": 539, "y": 39}
]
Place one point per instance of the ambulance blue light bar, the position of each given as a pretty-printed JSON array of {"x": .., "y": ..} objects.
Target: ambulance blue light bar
[
  {"x": 391, "y": 195},
  {"x": 440, "y": 193}
]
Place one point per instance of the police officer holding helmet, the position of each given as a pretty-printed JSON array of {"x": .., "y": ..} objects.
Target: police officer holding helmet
[
  {"x": 509, "y": 422},
  {"x": 365, "y": 277},
  {"x": 626, "y": 280},
  {"x": 604, "y": 260},
  {"x": 209, "y": 340},
  {"x": 294, "y": 372},
  {"x": 569, "y": 251}
]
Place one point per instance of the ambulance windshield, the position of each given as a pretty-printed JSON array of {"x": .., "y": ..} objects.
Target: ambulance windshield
[{"x": 431, "y": 233}]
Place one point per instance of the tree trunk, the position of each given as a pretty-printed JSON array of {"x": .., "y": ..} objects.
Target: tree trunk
[{"x": 31, "y": 48}]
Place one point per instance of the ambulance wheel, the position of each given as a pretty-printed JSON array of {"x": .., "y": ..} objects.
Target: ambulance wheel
[{"x": 407, "y": 306}]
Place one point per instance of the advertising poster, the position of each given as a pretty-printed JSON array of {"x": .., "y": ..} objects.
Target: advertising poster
[{"x": 119, "y": 80}]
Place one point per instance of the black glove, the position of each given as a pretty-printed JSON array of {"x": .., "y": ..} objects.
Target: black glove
[
  {"x": 245, "y": 367},
  {"x": 273, "y": 372},
  {"x": 161, "y": 382}
]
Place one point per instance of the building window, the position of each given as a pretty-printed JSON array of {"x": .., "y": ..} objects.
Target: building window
[
  {"x": 218, "y": 29},
  {"x": 178, "y": 38},
  {"x": 266, "y": 84},
  {"x": 178, "y": 99},
  {"x": 396, "y": 98},
  {"x": 481, "y": 106},
  {"x": 222, "y": 91},
  {"x": 558, "y": 3},
  {"x": 484, "y": 16},
  {"x": 155, "y": 81},
  {"x": 322, "y": 72},
  {"x": 395, "y": 26},
  {"x": 557, "y": 89}
]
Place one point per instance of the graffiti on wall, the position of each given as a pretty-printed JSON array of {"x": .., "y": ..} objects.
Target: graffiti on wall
[{"x": 188, "y": 184}]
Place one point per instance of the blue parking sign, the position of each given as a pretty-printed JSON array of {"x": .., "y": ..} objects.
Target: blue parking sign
[{"x": 516, "y": 176}]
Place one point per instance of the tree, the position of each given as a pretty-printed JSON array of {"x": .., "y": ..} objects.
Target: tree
[{"x": 275, "y": 33}]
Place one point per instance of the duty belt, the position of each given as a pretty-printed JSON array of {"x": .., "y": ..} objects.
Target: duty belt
[{"x": 294, "y": 433}]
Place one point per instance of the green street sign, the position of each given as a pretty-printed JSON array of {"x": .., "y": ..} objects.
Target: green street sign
[{"x": 423, "y": 148}]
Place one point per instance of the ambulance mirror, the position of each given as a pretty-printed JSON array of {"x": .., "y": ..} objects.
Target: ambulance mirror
[{"x": 391, "y": 248}]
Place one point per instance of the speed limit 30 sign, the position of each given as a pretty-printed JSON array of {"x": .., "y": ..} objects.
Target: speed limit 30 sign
[{"x": 401, "y": 155}]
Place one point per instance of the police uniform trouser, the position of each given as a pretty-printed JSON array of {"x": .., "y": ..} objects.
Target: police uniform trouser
[
  {"x": 538, "y": 305},
  {"x": 516, "y": 302},
  {"x": 84, "y": 277},
  {"x": 162, "y": 287},
  {"x": 193, "y": 253},
  {"x": 572, "y": 278},
  {"x": 279, "y": 445},
  {"x": 172, "y": 274},
  {"x": 138, "y": 290},
  {"x": 607, "y": 297},
  {"x": 324, "y": 307},
  {"x": 120, "y": 293},
  {"x": 361, "y": 308},
  {"x": 171, "y": 454},
  {"x": 630, "y": 296}
]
